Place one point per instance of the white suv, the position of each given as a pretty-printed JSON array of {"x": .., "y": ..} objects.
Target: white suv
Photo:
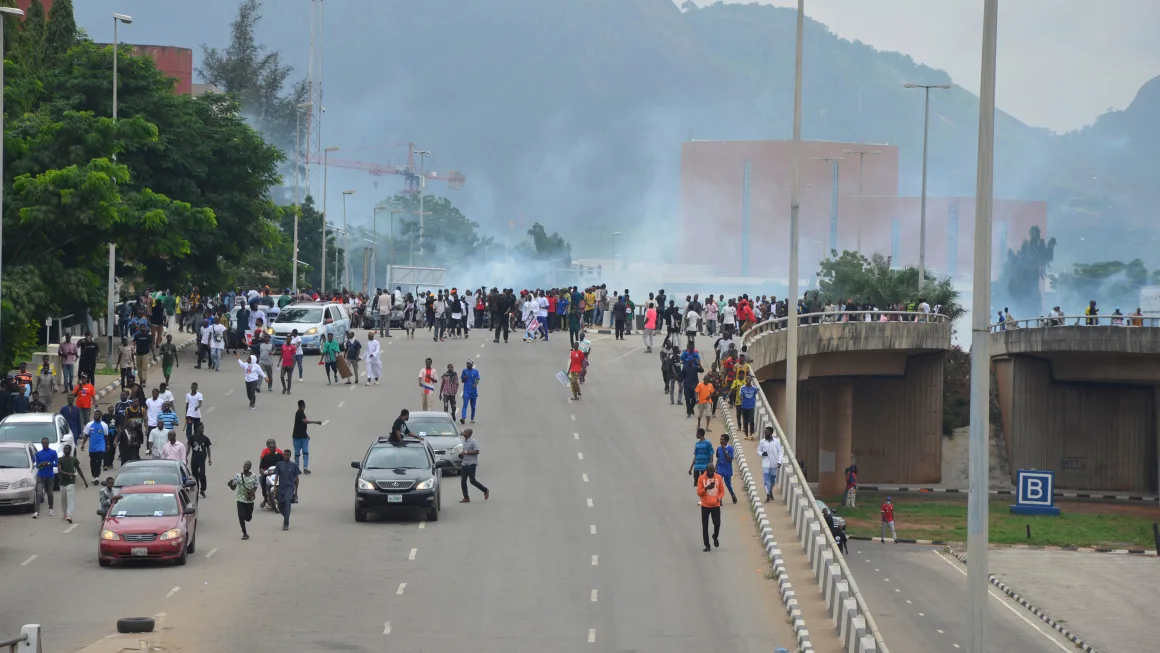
[{"x": 32, "y": 427}]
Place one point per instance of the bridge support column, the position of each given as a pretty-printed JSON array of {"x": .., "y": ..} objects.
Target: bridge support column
[{"x": 837, "y": 436}]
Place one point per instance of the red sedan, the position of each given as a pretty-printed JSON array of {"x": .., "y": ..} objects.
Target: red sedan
[{"x": 148, "y": 522}]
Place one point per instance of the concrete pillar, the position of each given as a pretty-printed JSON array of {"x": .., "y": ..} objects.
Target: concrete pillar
[
  {"x": 775, "y": 393},
  {"x": 837, "y": 436},
  {"x": 828, "y": 426}
]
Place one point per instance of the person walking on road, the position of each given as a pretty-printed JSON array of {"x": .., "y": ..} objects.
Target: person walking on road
[
  {"x": 329, "y": 352},
  {"x": 747, "y": 396},
  {"x": 771, "y": 452},
  {"x": 887, "y": 520},
  {"x": 253, "y": 376},
  {"x": 449, "y": 389},
  {"x": 286, "y": 369},
  {"x": 69, "y": 470},
  {"x": 85, "y": 394},
  {"x": 245, "y": 487},
  {"x": 725, "y": 464},
  {"x": 353, "y": 355},
  {"x": 199, "y": 456},
  {"x": 470, "y": 458},
  {"x": 705, "y": 391},
  {"x": 266, "y": 362},
  {"x": 575, "y": 367},
  {"x": 193, "y": 402},
  {"x": 288, "y": 477},
  {"x": 470, "y": 380},
  {"x": 427, "y": 380},
  {"x": 374, "y": 357},
  {"x": 301, "y": 438},
  {"x": 46, "y": 462},
  {"x": 95, "y": 435},
  {"x": 168, "y": 358},
  {"x": 711, "y": 490},
  {"x": 172, "y": 449},
  {"x": 702, "y": 456}
]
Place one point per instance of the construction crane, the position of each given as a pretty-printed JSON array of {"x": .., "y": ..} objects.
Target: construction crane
[{"x": 412, "y": 176}]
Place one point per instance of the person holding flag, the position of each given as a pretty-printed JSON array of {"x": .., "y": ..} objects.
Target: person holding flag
[{"x": 427, "y": 380}]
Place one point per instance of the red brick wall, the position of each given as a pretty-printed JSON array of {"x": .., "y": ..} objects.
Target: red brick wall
[
  {"x": 23, "y": 4},
  {"x": 174, "y": 62}
]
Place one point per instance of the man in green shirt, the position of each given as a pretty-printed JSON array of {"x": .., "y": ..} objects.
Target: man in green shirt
[
  {"x": 245, "y": 487},
  {"x": 68, "y": 470},
  {"x": 168, "y": 357},
  {"x": 330, "y": 351}
]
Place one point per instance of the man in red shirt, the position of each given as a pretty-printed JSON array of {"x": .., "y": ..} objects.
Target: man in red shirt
[
  {"x": 887, "y": 520},
  {"x": 710, "y": 488},
  {"x": 289, "y": 352},
  {"x": 575, "y": 366},
  {"x": 85, "y": 393}
]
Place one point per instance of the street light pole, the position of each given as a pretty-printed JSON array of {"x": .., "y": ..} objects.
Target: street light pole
[
  {"x": 345, "y": 243},
  {"x": 922, "y": 206},
  {"x": 791, "y": 336},
  {"x": 979, "y": 465},
  {"x": 325, "y": 175},
  {"x": 297, "y": 186},
  {"x": 117, "y": 19},
  {"x": 111, "y": 298},
  {"x": 422, "y": 188},
  {"x": 861, "y": 158}
]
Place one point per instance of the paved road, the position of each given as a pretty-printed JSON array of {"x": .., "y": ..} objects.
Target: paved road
[
  {"x": 599, "y": 552},
  {"x": 918, "y": 596}
]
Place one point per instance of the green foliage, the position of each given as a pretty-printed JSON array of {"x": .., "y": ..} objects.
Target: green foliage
[
  {"x": 61, "y": 33},
  {"x": 20, "y": 335},
  {"x": 543, "y": 247},
  {"x": 34, "y": 31},
  {"x": 956, "y": 390},
  {"x": 1022, "y": 274},
  {"x": 448, "y": 236},
  {"x": 852, "y": 275},
  {"x": 309, "y": 244}
]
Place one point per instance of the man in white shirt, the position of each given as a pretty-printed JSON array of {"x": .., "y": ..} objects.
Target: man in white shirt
[
  {"x": 771, "y": 452},
  {"x": 923, "y": 309},
  {"x": 385, "y": 303},
  {"x": 204, "y": 335},
  {"x": 253, "y": 375},
  {"x": 166, "y": 395},
  {"x": 296, "y": 342},
  {"x": 542, "y": 314},
  {"x": 173, "y": 450},
  {"x": 153, "y": 408},
  {"x": 729, "y": 318},
  {"x": 217, "y": 344},
  {"x": 157, "y": 439},
  {"x": 374, "y": 358},
  {"x": 257, "y": 313},
  {"x": 193, "y": 401},
  {"x": 692, "y": 320}
]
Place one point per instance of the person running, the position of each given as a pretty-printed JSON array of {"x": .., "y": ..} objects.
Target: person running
[
  {"x": 725, "y": 464},
  {"x": 353, "y": 355},
  {"x": 286, "y": 369},
  {"x": 887, "y": 511},
  {"x": 771, "y": 453},
  {"x": 69, "y": 468},
  {"x": 266, "y": 362},
  {"x": 374, "y": 357},
  {"x": 711, "y": 490},
  {"x": 253, "y": 376},
  {"x": 288, "y": 476},
  {"x": 470, "y": 458},
  {"x": 245, "y": 487},
  {"x": 95, "y": 434},
  {"x": 46, "y": 463},
  {"x": 301, "y": 438},
  {"x": 575, "y": 367},
  {"x": 704, "y": 392},
  {"x": 470, "y": 380},
  {"x": 168, "y": 358},
  {"x": 200, "y": 456},
  {"x": 448, "y": 389},
  {"x": 330, "y": 352},
  {"x": 193, "y": 402},
  {"x": 702, "y": 456},
  {"x": 427, "y": 381}
]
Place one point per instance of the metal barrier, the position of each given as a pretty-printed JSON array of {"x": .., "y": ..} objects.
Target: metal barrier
[
  {"x": 1150, "y": 320},
  {"x": 807, "y": 516},
  {"x": 28, "y": 641},
  {"x": 832, "y": 317}
]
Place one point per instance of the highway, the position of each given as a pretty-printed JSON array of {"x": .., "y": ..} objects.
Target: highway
[
  {"x": 919, "y": 598},
  {"x": 590, "y": 540}
]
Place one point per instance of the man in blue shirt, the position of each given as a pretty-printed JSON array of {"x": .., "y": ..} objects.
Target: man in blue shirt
[
  {"x": 725, "y": 464},
  {"x": 95, "y": 434},
  {"x": 748, "y": 394},
  {"x": 469, "y": 379},
  {"x": 287, "y": 472},
  {"x": 702, "y": 456},
  {"x": 72, "y": 415},
  {"x": 46, "y": 461}
]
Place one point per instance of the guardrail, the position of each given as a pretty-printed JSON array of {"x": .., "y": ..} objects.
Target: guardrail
[
  {"x": 838, "y": 586},
  {"x": 1150, "y": 320},
  {"x": 28, "y": 641},
  {"x": 834, "y": 317}
]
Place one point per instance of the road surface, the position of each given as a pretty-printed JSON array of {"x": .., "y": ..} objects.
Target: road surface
[{"x": 590, "y": 541}]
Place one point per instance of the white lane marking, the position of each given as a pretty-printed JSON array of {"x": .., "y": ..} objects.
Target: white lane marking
[
  {"x": 595, "y": 561},
  {"x": 875, "y": 570},
  {"x": 324, "y": 422},
  {"x": 998, "y": 598},
  {"x": 422, "y": 525},
  {"x": 353, "y": 386},
  {"x": 886, "y": 580},
  {"x": 592, "y": 528},
  {"x": 211, "y": 409},
  {"x": 631, "y": 351},
  {"x": 579, "y": 456},
  {"x": 585, "y": 477},
  {"x": 211, "y": 552},
  {"x": 573, "y": 418},
  {"x": 955, "y": 645},
  {"x": 575, "y": 436},
  {"x": 342, "y": 403},
  {"x": 908, "y": 600},
  {"x": 897, "y": 590},
  {"x": 591, "y": 635},
  {"x": 229, "y": 392},
  {"x": 939, "y": 631},
  {"x": 589, "y": 503},
  {"x": 387, "y": 628},
  {"x": 173, "y": 591},
  {"x": 30, "y": 559},
  {"x": 867, "y": 561},
  {"x": 594, "y": 596},
  {"x": 483, "y": 345},
  {"x": 402, "y": 586},
  {"x": 70, "y": 528},
  {"x": 921, "y": 614},
  {"x": 411, "y": 556}
]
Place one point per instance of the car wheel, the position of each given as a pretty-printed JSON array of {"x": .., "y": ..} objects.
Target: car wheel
[
  {"x": 135, "y": 625},
  {"x": 180, "y": 562},
  {"x": 360, "y": 515},
  {"x": 105, "y": 563},
  {"x": 433, "y": 514},
  {"x": 192, "y": 543}
]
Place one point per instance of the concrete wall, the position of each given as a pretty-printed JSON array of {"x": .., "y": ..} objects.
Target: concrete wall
[
  {"x": 1077, "y": 339},
  {"x": 866, "y": 341}
]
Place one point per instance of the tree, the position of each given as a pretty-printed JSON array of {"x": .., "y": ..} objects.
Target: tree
[
  {"x": 1022, "y": 274},
  {"x": 448, "y": 236},
  {"x": 310, "y": 245},
  {"x": 61, "y": 33},
  {"x": 853, "y": 276},
  {"x": 547, "y": 248},
  {"x": 33, "y": 33},
  {"x": 1108, "y": 282}
]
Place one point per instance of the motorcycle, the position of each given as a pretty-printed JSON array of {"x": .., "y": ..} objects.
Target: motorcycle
[{"x": 271, "y": 491}]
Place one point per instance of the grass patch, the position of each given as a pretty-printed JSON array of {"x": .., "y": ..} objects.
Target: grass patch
[{"x": 924, "y": 517}]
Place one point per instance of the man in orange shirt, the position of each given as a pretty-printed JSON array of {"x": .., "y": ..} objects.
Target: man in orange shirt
[
  {"x": 704, "y": 392},
  {"x": 575, "y": 366},
  {"x": 85, "y": 393},
  {"x": 711, "y": 489}
]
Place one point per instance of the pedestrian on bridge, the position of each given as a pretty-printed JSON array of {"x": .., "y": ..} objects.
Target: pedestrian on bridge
[{"x": 711, "y": 490}]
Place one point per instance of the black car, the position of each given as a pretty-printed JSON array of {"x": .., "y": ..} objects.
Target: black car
[{"x": 398, "y": 474}]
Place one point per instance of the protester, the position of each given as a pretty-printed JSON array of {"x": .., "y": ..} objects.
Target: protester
[
  {"x": 470, "y": 459},
  {"x": 710, "y": 489}
]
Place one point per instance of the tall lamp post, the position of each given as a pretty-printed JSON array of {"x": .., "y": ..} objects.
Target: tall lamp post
[
  {"x": 4, "y": 13},
  {"x": 861, "y": 158},
  {"x": 111, "y": 298},
  {"x": 922, "y": 206},
  {"x": 977, "y": 497},
  {"x": 422, "y": 186},
  {"x": 117, "y": 19},
  {"x": 297, "y": 185},
  {"x": 375, "y": 229},
  {"x": 325, "y": 174},
  {"x": 791, "y": 333},
  {"x": 345, "y": 243}
]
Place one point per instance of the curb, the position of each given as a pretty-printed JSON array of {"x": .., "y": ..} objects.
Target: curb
[
  {"x": 1043, "y": 616},
  {"x": 116, "y": 384},
  {"x": 1018, "y": 547},
  {"x": 772, "y": 552},
  {"x": 1058, "y": 493}
]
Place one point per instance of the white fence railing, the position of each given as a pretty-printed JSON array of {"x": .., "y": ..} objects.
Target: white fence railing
[
  {"x": 1150, "y": 320},
  {"x": 28, "y": 641}
]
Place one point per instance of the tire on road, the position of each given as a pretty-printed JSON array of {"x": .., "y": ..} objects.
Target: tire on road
[{"x": 135, "y": 625}]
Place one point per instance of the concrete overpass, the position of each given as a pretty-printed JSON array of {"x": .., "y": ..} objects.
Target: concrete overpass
[
  {"x": 869, "y": 393},
  {"x": 1082, "y": 401}
]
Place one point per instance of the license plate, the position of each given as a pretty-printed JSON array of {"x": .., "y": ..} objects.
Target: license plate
[
  {"x": 394, "y": 498},
  {"x": 140, "y": 551}
]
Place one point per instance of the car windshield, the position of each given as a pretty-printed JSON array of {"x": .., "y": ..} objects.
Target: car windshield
[
  {"x": 13, "y": 459},
  {"x": 27, "y": 431},
  {"x": 149, "y": 504},
  {"x": 148, "y": 475},
  {"x": 397, "y": 458},
  {"x": 431, "y": 427},
  {"x": 300, "y": 315}
]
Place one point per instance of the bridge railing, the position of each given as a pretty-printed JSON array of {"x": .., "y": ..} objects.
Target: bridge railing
[
  {"x": 28, "y": 641},
  {"x": 1150, "y": 320},
  {"x": 839, "y": 317}
]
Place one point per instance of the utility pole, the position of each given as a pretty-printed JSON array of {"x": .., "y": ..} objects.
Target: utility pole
[
  {"x": 791, "y": 334},
  {"x": 111, "y": 298},
  {"x": 422, "y": 190},
  {"x": 297, "y": 186},
  {"x": 345, "y": 243},
  {"x": 861, "y": 158},
  {"x": 325, "y": 217},
  {"x": 922, "y": 206}
]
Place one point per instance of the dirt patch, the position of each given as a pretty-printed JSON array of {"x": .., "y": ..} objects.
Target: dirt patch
[{"x": 1146, "y": 511}]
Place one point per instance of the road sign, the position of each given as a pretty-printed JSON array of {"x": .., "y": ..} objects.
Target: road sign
[{"x": 1035, "y": 493}]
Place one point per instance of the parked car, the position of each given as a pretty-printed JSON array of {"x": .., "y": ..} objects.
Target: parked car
[
  {"x": 17, "y": 475},
  {"x": 155, "y": 471},
  {"x": 148, "y": 522},
  {"x": 32, "y": 427},
  {"x": 398, "y": 474},
  {"x": 441, "y": 432},
  {"x": 313, "y": 321}
]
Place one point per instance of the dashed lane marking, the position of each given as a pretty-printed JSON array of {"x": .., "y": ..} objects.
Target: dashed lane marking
[
  {"x": 229, "y": 392},
  {"x": 211, "y": 409},
  {"x": 591, "y": 635},
  {"x": 30, "y": 559},
  {"x": 173, "y": 591},
  {"x": 939, "y": 631},
  {"x": 589, "y": 503},
  {"x": 595, "y": 561},
  {"x": 211, "y": 552},
  {"x": 575, "y": 436},
  {"x": 411, "y": 556},
  {"x": 387, "y": 628},
  {"x": 579, "y": 456},
  {"x": 594, "y": 596},
  {"x": 402, "y": 586},
  {"x": 585, "y": 477},
  {"x": 342, "y": 403},
  {"x": 324, "y": 422},
  {"x": 70, "y": 528},
  {"x": 573, "y": 418},
  {"x": 592, "y": 528}
]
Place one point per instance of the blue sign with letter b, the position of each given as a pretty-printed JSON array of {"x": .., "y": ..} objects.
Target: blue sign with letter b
[{"x": 1035, "y": 493}]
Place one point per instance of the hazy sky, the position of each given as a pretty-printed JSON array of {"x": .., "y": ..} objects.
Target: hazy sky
[{"x": 1061, "y": 62}]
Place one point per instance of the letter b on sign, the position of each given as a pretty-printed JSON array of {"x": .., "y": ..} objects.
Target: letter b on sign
[{"x": 1034, "y": 489}]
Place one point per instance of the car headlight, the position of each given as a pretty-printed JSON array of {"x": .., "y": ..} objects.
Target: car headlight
[
  {"x": 22, "y": 483},
  {"x": 364, "y": 484},
  {"x": 109, "y": 535},
  {"x": 311, "y": 331},
  {"x": 270, "y": 330},
  {"x": 427, "y": 484},
  {"x": 171, "y": 534}
]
